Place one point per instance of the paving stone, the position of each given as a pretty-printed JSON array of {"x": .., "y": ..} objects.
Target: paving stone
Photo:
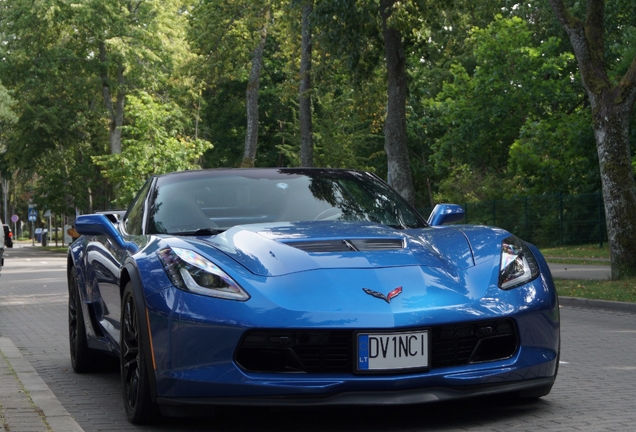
[{"x": 594, "y": 391}]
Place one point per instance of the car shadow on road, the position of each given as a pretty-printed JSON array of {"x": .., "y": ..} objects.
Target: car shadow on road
[{"x": 469, "y": 413}]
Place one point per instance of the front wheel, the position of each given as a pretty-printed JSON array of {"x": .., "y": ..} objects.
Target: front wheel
[{"x": 140, "y": 409}]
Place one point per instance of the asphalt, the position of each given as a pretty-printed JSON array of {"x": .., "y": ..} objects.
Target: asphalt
[{"x": 28, "y": 404}]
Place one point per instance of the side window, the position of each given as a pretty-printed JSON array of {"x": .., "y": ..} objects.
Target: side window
[{"x": 135, "y": 216}]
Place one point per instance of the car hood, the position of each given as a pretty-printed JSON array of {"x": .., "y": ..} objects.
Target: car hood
[{"x": 285, "y": 248}]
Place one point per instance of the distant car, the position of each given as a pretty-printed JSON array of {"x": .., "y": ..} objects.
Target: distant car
[
  {"x": 8, "y": 236},
  {"x": 2, "y": 243},
  {"x": 295, "y": 287}
]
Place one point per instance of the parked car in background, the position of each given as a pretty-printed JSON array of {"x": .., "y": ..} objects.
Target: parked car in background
[
  {"x": 2, "y": 248},
  {"x": 8, "y": 236}
]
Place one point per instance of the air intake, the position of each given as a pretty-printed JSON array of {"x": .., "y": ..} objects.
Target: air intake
[{"x": 343, "y": 245}]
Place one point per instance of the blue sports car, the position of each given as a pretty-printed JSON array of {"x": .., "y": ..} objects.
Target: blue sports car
[{"x": 299, "y": 286}]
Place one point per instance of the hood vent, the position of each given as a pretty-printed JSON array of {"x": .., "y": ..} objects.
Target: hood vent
[{"x": 358, "y": 245}]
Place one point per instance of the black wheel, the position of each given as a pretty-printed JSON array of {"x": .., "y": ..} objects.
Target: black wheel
[
  {"x": 83, "y": 359},
  {"x": 134, "y": 372}
]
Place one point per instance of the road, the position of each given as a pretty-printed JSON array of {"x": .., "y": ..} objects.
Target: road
[
  {"x": 577, "y": 271},
  {"x": 594, "y": 390}
]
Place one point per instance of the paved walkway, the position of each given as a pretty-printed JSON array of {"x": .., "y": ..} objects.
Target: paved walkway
[
  {"x": 27, "y": 403},
  {"x": 578, "y": 271}
]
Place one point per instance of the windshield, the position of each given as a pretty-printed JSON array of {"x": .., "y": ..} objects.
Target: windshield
[{"x": 208, "y": 202}]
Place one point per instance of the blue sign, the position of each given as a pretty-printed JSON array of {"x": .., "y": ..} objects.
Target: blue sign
[{"x": 33, "y": 214}]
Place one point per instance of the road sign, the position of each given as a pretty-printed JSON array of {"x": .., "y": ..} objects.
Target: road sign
[
  {"x": 14, "y": 218},
  {"x": 33, "y": 214}
]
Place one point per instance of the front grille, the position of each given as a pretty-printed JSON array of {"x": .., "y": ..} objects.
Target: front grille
[
  {"x": 296, "y": 351},
  {"x": 325, "y": 351}
]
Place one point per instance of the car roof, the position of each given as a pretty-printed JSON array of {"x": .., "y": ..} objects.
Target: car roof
[{"x": 253, "y": 172}]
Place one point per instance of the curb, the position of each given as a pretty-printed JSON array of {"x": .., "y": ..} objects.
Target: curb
[
  {"x": 607, "y": 305},
  {"x": 50, "y": 409}
]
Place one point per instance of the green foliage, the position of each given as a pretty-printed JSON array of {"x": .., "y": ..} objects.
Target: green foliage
[
  {"x": 224, "y": 33},
  {"x": 496, "y": 108},
  {"x": 155, "y": 146},
  {"x": 465, "y": 184},
  {"x": 341, "y": 137},
  {"x": 350, "y": 32},
  {"x": 6, "y": 106},
  {"x": 539, "y": 166},
  {"x": 623, "y": 290},
  {"x": 57, "y": 188},
  {"x": 512, "y": 105}
]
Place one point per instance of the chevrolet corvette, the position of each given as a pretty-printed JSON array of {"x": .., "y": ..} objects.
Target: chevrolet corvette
[{"x": 304, "y": 286}]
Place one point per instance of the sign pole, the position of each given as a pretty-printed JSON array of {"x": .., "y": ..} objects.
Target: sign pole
[
  {"x": 33, "y": 215},
  {"x": 14, "y": 219}
]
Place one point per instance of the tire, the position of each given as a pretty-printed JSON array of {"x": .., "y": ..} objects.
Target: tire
[
  {"x": 83, "y": 359},
  {"x": 140, "y": 409}
]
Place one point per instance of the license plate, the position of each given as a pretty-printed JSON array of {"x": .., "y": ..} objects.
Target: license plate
[{"x": 378, "y": 352}]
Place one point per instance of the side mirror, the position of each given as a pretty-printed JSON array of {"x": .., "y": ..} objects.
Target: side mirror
[
  {"x": 100, "y": 225},
  {"x": 95, "y": 224},
  {"x": 444, "y": 214}
]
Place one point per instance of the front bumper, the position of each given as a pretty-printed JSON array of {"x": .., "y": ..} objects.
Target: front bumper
[
  {"x": 192, "y": 406},
  {"x": 195, "y": 342}
]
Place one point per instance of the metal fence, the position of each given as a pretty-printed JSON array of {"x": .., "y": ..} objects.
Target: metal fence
[{"x": 546, "y": 220}]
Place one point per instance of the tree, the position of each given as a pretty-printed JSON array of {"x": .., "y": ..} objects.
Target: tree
[
  {"x": 512, "y": 97},
  {"x": 129, "y": 42},
  {"x": 157, "y": 143},
  {"x": 7, "y": 116},
  {"x": 304, "y": 112},
  {"x": 370, "y": 35},
  {"x": 74, "y": 65},
  {"x": 58, "y": 123},
  {"x": 231, "y": 39},
  {"x": 612, "y": 100},
  {"x": 6, "y": 107},
  {"x": 251, "y": 136},
  {"x": 395, "y": 143}
]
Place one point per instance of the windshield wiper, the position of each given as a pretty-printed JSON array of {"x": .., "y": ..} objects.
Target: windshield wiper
[{"x": 199, "y": 232}]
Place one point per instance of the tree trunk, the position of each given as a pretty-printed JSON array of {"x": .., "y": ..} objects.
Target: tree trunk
[
  {"x": 116, "y": 110},
  {"x": 395, "y": 144},
  {"x": 611, "y": 130},
  {"x": 611, "y": 111},
  {"x": 304, "y": 115},
  {"x": 251, "y": 135}
]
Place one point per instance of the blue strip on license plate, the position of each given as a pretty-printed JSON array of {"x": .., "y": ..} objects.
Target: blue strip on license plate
[{"x": 392, "y": 351}]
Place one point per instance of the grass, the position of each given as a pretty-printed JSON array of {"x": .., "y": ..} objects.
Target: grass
[
  {"x": 624, "y": 290},
  {"x": 580, "y": 252},
  {"x": 585, "y": 254},
  {"x": 61, "y": 249},
  {"x": 50, "y": 246}
]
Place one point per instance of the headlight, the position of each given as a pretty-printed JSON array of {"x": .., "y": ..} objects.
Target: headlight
[
  {"x": 518, "y": 265},
  {"x": 190, "y": 271}
]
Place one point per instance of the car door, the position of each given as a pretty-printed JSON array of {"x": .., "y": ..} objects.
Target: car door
[
  {"x": 105, "y": 263},
  {"x": 106, "y": 260}
]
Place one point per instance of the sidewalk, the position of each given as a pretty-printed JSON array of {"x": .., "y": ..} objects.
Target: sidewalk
[{"x": 26, "y": 402}]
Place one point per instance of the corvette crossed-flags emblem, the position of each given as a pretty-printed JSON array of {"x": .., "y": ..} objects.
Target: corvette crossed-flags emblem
[{"x": 387, "y": 298}]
